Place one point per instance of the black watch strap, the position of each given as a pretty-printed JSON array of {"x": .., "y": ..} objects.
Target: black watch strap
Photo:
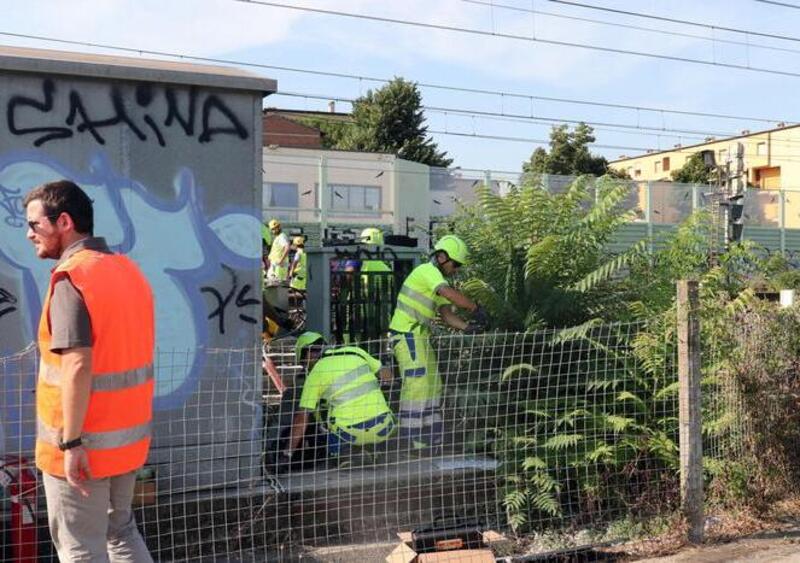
[{"x": 64, "y": 446}]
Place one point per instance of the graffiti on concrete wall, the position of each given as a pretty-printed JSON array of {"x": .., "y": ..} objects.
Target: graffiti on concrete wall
[
  {"x": 178, "y": 247},
  {"x": 8, "y": 303},
  {"x": 223, "y": 299},
  {"x": 204, "y": 115}
]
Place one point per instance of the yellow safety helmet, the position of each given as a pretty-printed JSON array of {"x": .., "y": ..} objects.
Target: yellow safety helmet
[
  {"x": 372, "y": 235},
  {"x": 306, "y": 340},
  {"x": 299, "y": 241},
  {"x": 274, "y": 224},
  {"x": 455, "y": 248}
]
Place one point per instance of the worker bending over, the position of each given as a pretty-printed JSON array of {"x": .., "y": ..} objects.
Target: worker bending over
[
  {"x": 424, "y": 296},
  {"x": 345, "y": 380}
]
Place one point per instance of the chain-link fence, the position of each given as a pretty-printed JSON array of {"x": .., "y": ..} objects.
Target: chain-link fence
[
  {"x": 546, "y": 440},
  {"x": 519, "y": 443},
  {"x": 751, "y": 387}
]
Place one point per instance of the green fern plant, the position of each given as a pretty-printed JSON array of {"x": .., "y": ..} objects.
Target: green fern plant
[{"x": 542, "y": 259}]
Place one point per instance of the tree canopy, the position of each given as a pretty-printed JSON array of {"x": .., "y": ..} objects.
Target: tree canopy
[
  {"x": 389, "y": 119},
  {"x": 569, "y": 154},
  {"x": 693, "y": 172}
]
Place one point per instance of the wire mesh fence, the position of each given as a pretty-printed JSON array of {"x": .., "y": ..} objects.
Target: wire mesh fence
[
  {"x": 551, "y": 439},
  {"x": 751, "y": 435}
]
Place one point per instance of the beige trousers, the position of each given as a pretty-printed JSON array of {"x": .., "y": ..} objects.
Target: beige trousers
[{"x": 98, "y": 528}]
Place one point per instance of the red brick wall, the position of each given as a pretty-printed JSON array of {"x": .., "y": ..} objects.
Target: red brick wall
[{"x": 284, "y": 132}]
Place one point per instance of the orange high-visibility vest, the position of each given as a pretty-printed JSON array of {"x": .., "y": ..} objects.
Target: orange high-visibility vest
[{"x": 116, "y": 430}]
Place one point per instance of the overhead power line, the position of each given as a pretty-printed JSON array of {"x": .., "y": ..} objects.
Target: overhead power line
[
  {"x": 712, "y": 27},
  {"x": 529, "y": 39},
  {"x": 783, "y": 4},
  {"x": 534, "y": 119},
  {"x": 429, "y": 85},
  {"x": 747, "y": 44},
  {"x": 322, "y": 116},
  {"x": 646, "y": 151}
]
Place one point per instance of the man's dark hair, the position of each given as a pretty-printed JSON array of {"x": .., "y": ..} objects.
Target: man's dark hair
[{"x": 64, "y": 196}]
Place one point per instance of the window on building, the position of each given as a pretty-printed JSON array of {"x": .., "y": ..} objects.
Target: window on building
[
  {"x": 658, "y": 166},
  {"x": 768, "y": 178},
  {"x": 665, "y": 164},
  {"x": 761, "y": 148},
  {"x": 637, "y": 173},
  {"x": 279, "y": 200},
  {"x": 350, "y": 197}
]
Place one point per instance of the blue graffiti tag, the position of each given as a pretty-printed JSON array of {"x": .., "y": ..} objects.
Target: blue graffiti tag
[
  {"x": 176, "y": 245},
  {"x": 11, "y": 204}
]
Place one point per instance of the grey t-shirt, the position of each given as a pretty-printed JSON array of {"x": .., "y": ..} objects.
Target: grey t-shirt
[{"x": 69, "y": 317}]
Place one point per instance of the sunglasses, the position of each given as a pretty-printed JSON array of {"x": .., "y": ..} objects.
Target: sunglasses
[{"x": 32, "y": 225}]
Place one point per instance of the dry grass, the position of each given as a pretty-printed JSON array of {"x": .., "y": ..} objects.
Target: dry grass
[{"x": 721, "y": 527}]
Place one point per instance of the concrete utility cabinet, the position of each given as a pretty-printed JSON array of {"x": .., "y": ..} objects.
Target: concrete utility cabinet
[{"x": 171, "y": 155}]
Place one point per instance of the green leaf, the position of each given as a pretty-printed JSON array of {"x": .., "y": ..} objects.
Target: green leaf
[
  {"x": 628, "y": 396},
  {"x": 563, "y": 441},
  {"x": 533, "y": 462}
]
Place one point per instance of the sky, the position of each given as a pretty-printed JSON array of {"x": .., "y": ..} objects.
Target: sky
[{"x": 516, "y": 68}]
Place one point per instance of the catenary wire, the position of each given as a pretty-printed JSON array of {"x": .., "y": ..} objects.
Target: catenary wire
[
  {"x": 691, "y": 149},
  {"x": 712, "y": 27},
  {"x": 529, "y": 39},
  {"x": 782, "y": 4},
  {"x": 633, "y": 27},
  {"x": 429, "y": 85},
  {"x": 601, "y": 126},
  {"x": 641, "y": 130}
]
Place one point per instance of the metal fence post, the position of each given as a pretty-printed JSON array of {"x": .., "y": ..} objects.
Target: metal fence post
[
  {"x": 691, "y": 442},
  {"x": 648, "y": 214},
  {"x": 323, "y": 195},
  {"x": 782, "y": 218}
]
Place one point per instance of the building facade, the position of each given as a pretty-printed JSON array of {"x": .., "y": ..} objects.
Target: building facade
[
  {"x": 308, "y": 187},
  {"x": 771, "y": 162}
]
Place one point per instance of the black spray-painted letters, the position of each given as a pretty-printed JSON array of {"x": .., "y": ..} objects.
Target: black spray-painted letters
[
  {"x": 37, "y": 117},
  {"x": 241, "y": 301},
  {"x": 8, "y": 303}
]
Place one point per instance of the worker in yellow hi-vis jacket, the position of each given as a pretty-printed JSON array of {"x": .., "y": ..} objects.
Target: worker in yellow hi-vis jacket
[
  {"x": 345, "y": 379},
  {"x": 426, "y": 295}
]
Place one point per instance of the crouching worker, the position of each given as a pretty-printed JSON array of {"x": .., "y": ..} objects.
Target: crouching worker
[{"x": 344, "y": 379}]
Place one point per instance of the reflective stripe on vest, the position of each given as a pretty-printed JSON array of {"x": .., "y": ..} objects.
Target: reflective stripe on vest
[
  {"x": 410, "y": 421},
  {"x": 103, "y": 382},
  {"x": 426, "y": 302},
  {"x": 96, "y": 440},
  {"x": 418, "y": 405},
  {"x": 413, "y": 313},
  {"x": 355, "y": 393},
  {"x": 347, "y": 378}
]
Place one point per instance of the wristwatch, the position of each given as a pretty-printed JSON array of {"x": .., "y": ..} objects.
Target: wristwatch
[{"x": 64, "y": 446}]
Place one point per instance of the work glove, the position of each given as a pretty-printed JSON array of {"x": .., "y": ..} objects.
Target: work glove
[
  {"x": 480, "y": 316},
  {"x": 473, "y": 328}
]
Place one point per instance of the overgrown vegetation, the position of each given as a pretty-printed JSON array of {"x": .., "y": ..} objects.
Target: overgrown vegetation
[
  {"x": 585, "y": 419},
  {"x": 541, "y": 259}
]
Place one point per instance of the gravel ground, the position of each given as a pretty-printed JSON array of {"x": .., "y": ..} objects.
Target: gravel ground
[{"x": 766, "y": 547}]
